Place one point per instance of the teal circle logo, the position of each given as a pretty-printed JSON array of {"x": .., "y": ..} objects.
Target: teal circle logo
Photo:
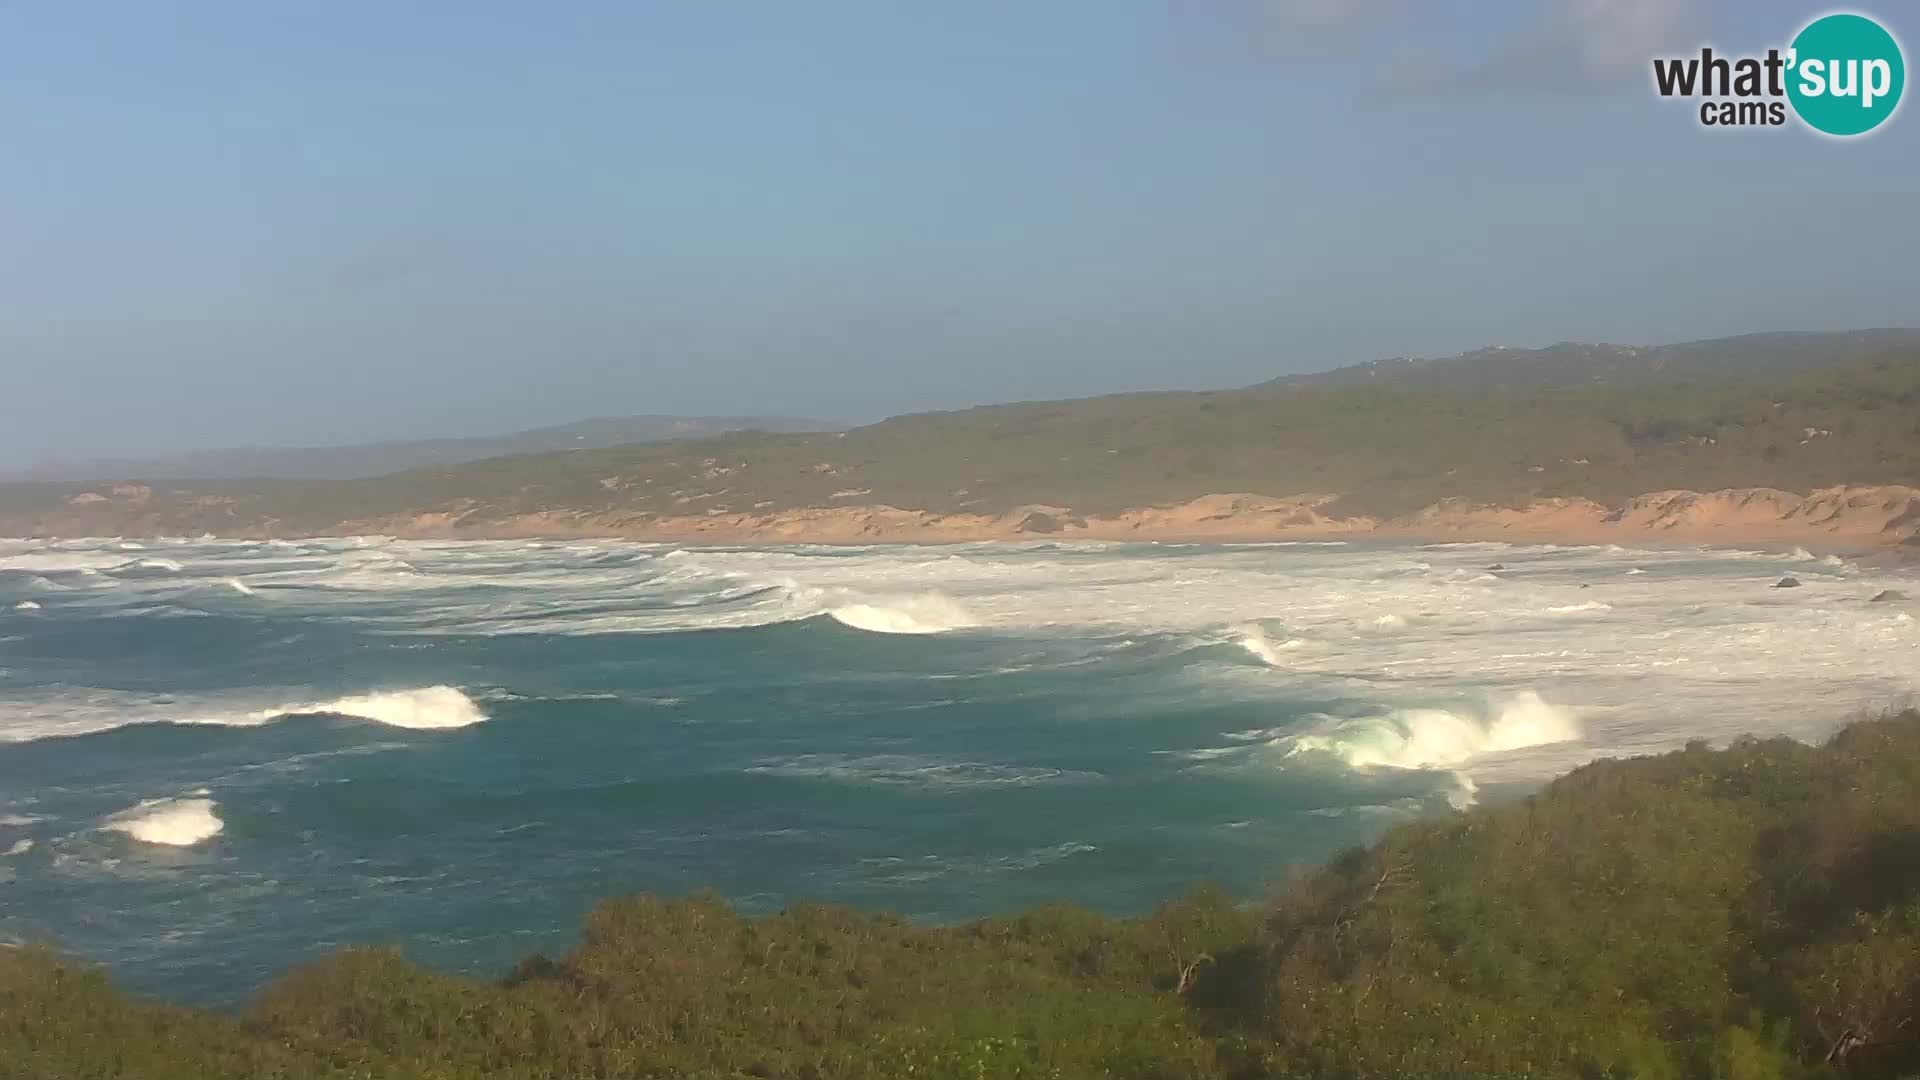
[{"x": 1845, "y": 74}]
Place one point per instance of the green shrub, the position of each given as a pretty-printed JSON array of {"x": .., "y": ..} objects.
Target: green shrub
[{"x": 1749, "y": 914}]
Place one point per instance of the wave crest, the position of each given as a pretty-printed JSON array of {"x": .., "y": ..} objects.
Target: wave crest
[
  {"x": 930, "y": 613},
  {"x": 432, "y": 707},
  {"x": 173, "y": 822},
  {"x": 1439, "y": 738},
  {"x": 148, "y": 566},
  {"x": 1254, "y": 639}
]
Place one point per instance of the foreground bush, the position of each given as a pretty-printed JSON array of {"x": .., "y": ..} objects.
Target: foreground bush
[{"x": 1746, "y": 913}]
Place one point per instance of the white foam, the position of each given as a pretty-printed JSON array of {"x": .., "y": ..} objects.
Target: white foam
[
  {"x": 1590, "y": 605},
  {"x": 1441, "y": 738},
  {"x": 239, "y": 586},
  {"x": 1464, "y": 794},
  {"x": 1254, "y": 639},
  {"x": 1390, "y": 622},
  {"x": 68, "y": 711},
  {"x": 20, "y": 847},
  {"x": 57, "y": 561},
  {"x": 1697, "y": 651},
  {"x": 928, "y": 614},
  {"x": 175, "y": 822},
  {"x": 167, "y": 565},
  {"x": 429, "y": 708},
  {"x": 26, "y": 605}
]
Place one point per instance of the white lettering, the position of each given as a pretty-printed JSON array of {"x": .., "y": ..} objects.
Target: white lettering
[
  {"x": 1878, "y": 80},
  {"x": 1813, "y": 77},
  {"x": 1847, "y": 87}
]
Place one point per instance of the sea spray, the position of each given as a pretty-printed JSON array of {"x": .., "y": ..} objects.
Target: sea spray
[
  {"x": 1442, "y": 738},
  {"x": 423, "y": 709},
  {"x": 929, "y": 613},
  {"x": 178, "y": 822},
  {"x": 1253, "y": 638},
  {"x": 1087, "y": 704}
]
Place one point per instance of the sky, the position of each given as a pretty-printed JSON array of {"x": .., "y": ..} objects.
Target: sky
[{"x": 231, "y": 223}]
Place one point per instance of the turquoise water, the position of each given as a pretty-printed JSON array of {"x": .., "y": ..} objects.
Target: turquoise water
[{"x": 223, "y": 758}]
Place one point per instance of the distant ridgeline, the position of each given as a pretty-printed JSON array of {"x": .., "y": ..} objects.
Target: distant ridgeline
[
  {"x": 378, "y": 459},
  {"x": 1749, "y": 912},
  {"x": 1502, "y": 426}
]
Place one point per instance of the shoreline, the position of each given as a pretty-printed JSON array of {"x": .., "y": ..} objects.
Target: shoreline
[
  {"x": 1882, "y": 520},
  {"x": 1855, "y": 520}
]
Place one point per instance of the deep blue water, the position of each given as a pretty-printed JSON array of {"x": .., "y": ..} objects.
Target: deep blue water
[{"x": 225, "y": 758}]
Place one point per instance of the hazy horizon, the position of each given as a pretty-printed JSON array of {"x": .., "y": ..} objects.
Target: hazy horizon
[
  {"x": 826, "y": 422},
  {"x": 229, "y": 226}
]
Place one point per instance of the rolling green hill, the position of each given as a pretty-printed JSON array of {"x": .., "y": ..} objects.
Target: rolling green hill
[
  {"x": 1575, "y": 364},
  {"x": 377, "y": 459},
  {"x": 1386, "y": 445}
]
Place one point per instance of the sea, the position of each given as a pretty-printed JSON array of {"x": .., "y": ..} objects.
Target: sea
[{"x": 220, "y": 759}]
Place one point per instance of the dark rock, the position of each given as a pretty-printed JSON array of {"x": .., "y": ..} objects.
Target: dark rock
[
  {"x": 1887, "y": 596},
  {"x": 1498, "y": 566},
  {"x": 1788, "y": 582}
]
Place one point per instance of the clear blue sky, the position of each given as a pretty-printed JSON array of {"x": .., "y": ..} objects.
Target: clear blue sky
[{"x": 233, "y": 222}]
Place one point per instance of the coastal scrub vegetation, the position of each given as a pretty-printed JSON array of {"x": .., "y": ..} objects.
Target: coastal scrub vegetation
[
  {"x": 1748, "y": 912},
  {"x": 1387, "y": 441}
]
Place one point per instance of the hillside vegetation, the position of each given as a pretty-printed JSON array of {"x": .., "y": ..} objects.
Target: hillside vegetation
[
  {"x": 1387, "y": 446},
  {"x": 1745, "y": 913},
  {"x": 379, "y": 459}
]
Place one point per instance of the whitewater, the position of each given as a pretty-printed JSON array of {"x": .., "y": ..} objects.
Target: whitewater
[{"x": 220, "y": 757}]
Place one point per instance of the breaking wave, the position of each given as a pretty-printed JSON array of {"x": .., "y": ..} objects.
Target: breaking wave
[
  {"x": 1254, "y": 639},
  {"x": 85, "y": 711},
  {"x": 149, "y": 566},
  {"x": 432, "y": 707},
  {"x": 1439, "y": 738},
  {"x": 928, "y": 614},
  {"x": 173, "y": 822}
]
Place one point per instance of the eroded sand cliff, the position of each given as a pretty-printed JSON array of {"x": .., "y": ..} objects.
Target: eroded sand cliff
[{"x": 1852, "y": 517}]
